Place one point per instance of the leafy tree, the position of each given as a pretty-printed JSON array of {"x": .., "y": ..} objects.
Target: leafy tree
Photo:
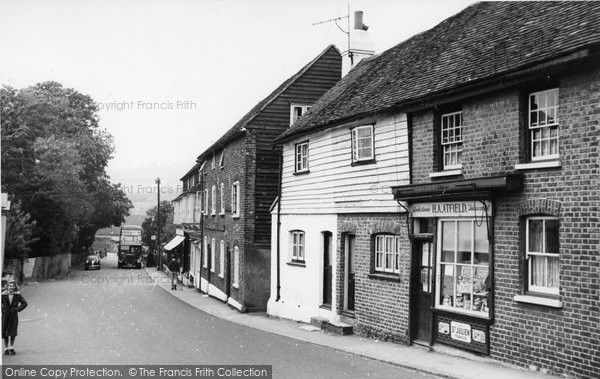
[
  {"x": 54, "y": 159},
  {"x": 167, "y": 228},
  {"x": 19, "y": 232}
]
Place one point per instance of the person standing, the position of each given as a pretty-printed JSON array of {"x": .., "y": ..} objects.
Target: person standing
[
  {"x": 12, "y": 303},
  {"x": 174, "y": 268}
]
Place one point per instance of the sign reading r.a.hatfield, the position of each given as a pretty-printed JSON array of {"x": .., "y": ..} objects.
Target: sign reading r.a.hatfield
[{"x": 452, "y": 209}]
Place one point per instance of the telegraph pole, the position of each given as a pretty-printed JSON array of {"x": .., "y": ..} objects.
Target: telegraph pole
[{"x": 158, "y": 264}]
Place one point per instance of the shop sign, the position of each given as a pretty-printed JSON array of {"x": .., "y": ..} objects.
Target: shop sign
[
  {"x": 451, "y": 209},
  {"x": 443, "y": 328},
  {"x": 478, "y": 336},
  {"x": 460, "y": 331}
]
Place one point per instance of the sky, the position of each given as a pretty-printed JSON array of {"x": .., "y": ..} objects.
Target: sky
[{"x": 171, "y": 76}]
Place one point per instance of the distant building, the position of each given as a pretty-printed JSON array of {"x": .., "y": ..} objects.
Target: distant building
[
  {"x": 487, "y": 128},
  {"x": 224, "y": 211}
]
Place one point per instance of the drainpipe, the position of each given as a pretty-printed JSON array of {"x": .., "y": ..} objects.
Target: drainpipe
[
  {"x": 279, "y": 226},
  {"x": 201, "y": 228}
]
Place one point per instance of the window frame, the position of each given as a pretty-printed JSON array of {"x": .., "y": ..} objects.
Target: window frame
[
  {"x": 222, "y": 259},
  {"x": 205, "y": 253},
  {"x": 353, "y": 144},
  {"x": 450, "y": 144},
  {"x": 235, "y": 199},
  {"x": 297, "y": 252},
  {"x": 222, "y": 160},
  {"x": 222, "y": 194},
  {"x": 529, "y": 287},
  {"x": 236, "y": 266},
  {"x": 299, "y": 157},
  {"x": 531, "y": 128},
  {"x": 213, "y": 256},
  {"x": 213, "y": 204},
  {"x": 205, "y": 211},
  {"x": 213, "y": 162},
  {"x": 483, "y": 293},
  {"x": 396, "y": 242},
  {"x": 304, "y": 108}
]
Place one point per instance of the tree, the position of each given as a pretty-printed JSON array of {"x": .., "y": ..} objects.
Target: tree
[
  {"x": 167, "y": 228},
  {"x": 54, "y": 159},
  {"x": 19, "y": 232}
]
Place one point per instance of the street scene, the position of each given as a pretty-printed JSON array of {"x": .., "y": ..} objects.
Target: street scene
[
  {"x": 300, "y": 189},
  {"x": 115, "y": 317}
]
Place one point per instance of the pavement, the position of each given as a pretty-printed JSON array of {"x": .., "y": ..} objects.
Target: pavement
[{"x": 441, "y": 360}]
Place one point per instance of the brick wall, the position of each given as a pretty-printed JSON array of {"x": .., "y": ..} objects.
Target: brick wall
[
  {"x": 381, "y": 309},
  {"x": 555, "y": 340}
]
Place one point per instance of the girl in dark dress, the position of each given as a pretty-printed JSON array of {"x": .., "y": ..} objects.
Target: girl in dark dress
[{"x": 12, "y": 304}]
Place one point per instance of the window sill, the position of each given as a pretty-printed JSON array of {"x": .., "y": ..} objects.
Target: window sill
[
  {"x": 537, "y": 165},
  {"x": 222, "y": 214},
  {"x": 366, "y": 161},
  {"x": 538, "y": 300},
  {"x": 235, "y": 216},
  {"x": 382, "y": 276},
  {"x": 235, "y": 285},
  {"x": 301, "y": 172},
  {"x": 221, "y": 276},
  {"x": 297, "y": 264},
  {"x": 445, "y": 173},
  {"x": 213, "y": 214}
]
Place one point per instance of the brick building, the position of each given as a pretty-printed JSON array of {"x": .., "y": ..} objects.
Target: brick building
[
  {"x": 494, "y": 247},
  {"x": 225, "y": 208}
]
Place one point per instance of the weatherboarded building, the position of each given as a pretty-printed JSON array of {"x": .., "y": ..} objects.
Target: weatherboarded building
[
  {"x": 447, "y": 191},
  {"x": 226, "y": 209}
]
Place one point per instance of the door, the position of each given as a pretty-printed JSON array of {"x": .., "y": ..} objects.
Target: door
[
  {"x": 350, "y": 245},
  {"x": 327, "y": 269},
  {"x": 421, "y": 290}
]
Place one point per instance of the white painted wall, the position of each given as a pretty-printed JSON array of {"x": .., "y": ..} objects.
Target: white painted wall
[
  {"x": 333, "y": 185},
  {"x": 302, "y": 287}
]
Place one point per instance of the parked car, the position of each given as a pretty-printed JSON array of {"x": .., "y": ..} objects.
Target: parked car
[{"x": 92, "y": 261}]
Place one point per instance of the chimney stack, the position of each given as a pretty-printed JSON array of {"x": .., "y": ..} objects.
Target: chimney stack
[{"x": 360, "y": 45}]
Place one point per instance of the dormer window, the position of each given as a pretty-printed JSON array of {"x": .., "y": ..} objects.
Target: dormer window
[{"x": 296, "y": 111}]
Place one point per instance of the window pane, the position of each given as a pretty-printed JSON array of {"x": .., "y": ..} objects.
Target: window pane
[
  {"x": 481, "y": 244},
  {"x": 447, "y": 293},
  {"x": 535, "y": 236},
  {"x": 551, "y": 236},
  {"x": 553, "y": 272},
  {"x": 364, "y": 132},
  {"x": 448, "y": 238},
  {"x": 538, "y": 271},
  {"x": 465, "y": 237}
]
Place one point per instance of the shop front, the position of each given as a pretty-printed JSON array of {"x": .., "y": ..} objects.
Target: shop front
[{"x": 452, "y": 249}]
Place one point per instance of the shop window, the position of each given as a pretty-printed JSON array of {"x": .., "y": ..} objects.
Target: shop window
[
  {"x": 542, "y": 255},
  {"x": 387, "y": 253},
  {"x": 463, "y": 266},
  {"x": 297, "y": 246},
  {"x": 236, "y": 266}
]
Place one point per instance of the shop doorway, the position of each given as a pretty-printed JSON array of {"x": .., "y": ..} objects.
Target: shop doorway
[
  {"x": 327, "y": 269},
  {"x": 421, "y": 290},
  {"x": 349, "y": 275}
]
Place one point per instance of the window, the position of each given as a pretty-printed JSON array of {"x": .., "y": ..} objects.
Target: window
[
  {"x": 222, "y": 259},
  {"x": 212, "y": 255},
  {"x": 463, "y": 266},
  {"x": 302, "y": 157},
  {"x": 297, "y": 245},
  {"x": 235, "y": 199},
  {"x": 362, "y": 143},
  {"x": 205, "y": 253},
  {"x": 222, "y": 199},
  {"x": 452, "y": 140},
  {"x": 387, "y": 254},
  {"x": 213, "y": 161},
  {"x": 205, "y": 202},
  {"x": 297, "y": 111},
  {"x": 236, "y": 267},
  {"x": 543, "y": 124},
  {"x": 541, "y": 235},
  {"x": 222, "y": 159},
  {"x": 214, "y": 200}
]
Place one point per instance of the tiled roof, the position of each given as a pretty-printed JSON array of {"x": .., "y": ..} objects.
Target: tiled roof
[
  {"x": 484, "y": 41},
  {"x": 238, "y": 128}
]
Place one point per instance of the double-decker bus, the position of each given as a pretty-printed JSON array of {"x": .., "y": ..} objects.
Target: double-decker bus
[{"x": 130, "y": 246}]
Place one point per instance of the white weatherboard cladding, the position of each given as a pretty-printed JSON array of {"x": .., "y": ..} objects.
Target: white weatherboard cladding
[{"x": 333, "y": 185}]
